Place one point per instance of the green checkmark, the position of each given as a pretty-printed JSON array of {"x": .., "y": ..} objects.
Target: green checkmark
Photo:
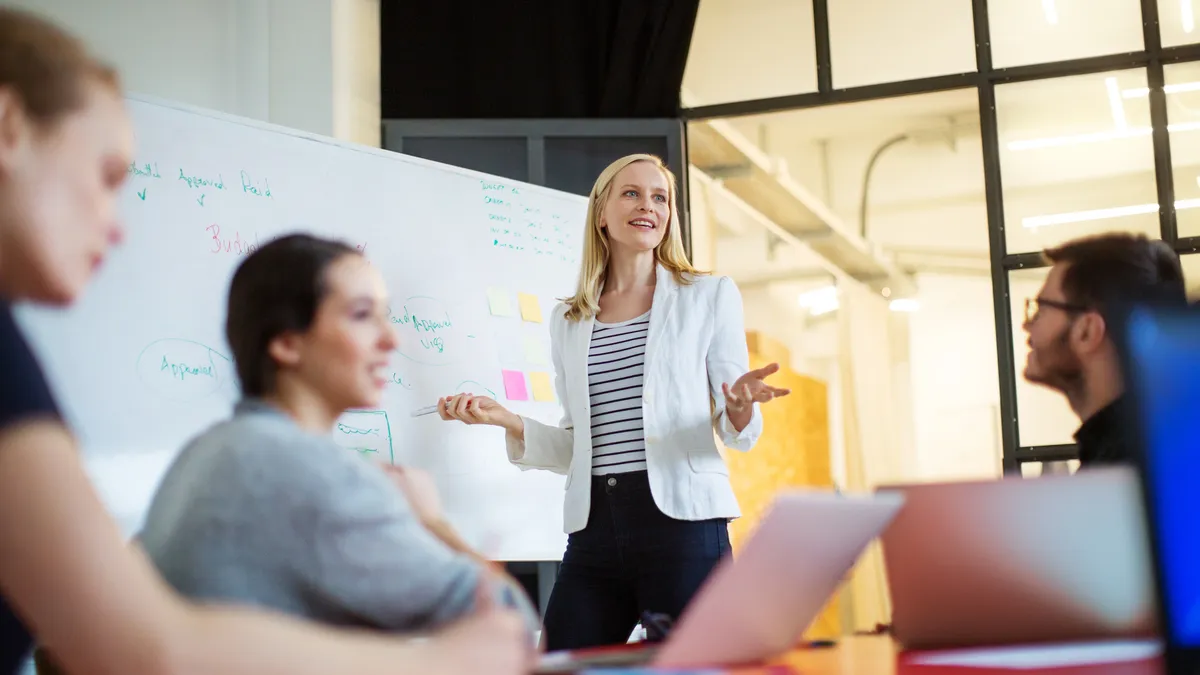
[{"x": 142, "y": 194}]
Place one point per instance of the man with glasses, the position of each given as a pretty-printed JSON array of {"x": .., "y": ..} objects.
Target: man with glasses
[{"x": 1069, "y": 322}]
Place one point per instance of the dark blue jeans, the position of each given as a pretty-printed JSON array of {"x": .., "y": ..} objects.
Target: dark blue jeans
[{"x": 630, "y": 558}]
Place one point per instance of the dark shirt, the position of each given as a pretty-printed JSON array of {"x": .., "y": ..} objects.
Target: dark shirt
[
  {"x": 24, "y": 394},
  {"x": 1105, "y": 438}
]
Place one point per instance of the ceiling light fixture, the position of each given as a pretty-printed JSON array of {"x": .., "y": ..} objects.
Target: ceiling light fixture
[
  {"x": 1115, "y": 104},
  {"x": 1034, "y": 222},
  {"x": 1051, "y": 12},
  {"x": 1096, "y": 137},
  {"x": 820, "y": 301},
  {"x": 1123, "y": 130},
  {"x": 1177, "y": 88}
]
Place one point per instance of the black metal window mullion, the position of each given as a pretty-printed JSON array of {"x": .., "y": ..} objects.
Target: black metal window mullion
[
  {"x": 1164, "y": 175},
  {"x": 986, "y": 77},
  {"x": 997, "y": 243},
  {"x": 820, "y": 10},
  {"x": 1152, "y": 59}
]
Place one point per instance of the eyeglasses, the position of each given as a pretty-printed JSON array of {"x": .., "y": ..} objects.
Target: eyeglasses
[{"x": 1033, "y": 307}]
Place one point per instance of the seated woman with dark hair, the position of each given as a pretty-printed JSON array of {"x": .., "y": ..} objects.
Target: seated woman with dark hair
[{"x": 265, "y": 508}]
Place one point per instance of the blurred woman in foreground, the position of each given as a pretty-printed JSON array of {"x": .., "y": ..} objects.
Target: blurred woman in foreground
[{"x": 66, "y": 575}]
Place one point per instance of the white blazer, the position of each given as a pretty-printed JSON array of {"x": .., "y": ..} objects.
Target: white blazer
[{"x": 696, "y": 343}]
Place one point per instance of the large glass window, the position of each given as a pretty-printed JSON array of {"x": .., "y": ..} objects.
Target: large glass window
[
  {"x": 875, "y": 41},
  {"x": 749, "y": 49},
  {"x": 1043, "y": 415},
  {"x": 1177, "y": 21},
  {"x": 919, "y": 161},
  {"x": 1182, "y": 88},
  {"x": 1042, "y": 31},
  {"x": 1076, "y": 158},
  {"x": 1039, "y": 469},
  {"x": 1191, "y": 274}
]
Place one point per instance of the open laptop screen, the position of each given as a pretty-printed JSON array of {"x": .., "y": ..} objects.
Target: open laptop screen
[{"x": 1164, "y": 376}]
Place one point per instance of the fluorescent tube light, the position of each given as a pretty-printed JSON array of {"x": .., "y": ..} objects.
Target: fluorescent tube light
[
  {"x": 1051, "y": 12},
  {"x": 1115, "y": 104},
  {"x": 1034, "y": 222},
  {"x": 1097, "y": 137},
  {"x": 820, "y": 301}
]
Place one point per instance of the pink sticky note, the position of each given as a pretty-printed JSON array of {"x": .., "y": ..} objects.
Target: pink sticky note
[{"x": 514, "y": 385}]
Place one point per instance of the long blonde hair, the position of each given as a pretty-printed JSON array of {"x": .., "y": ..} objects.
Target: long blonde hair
[{"x": 593, "y": 272}]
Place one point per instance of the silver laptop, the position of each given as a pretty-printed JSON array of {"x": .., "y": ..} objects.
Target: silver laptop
[
  {"x": 758, "y": 604},
  {"x": 1014, "y": 561}
]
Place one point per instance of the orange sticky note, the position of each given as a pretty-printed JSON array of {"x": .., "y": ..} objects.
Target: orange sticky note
[
  {"x": 542, "y": 389},
  {"x": 531, "y": 309}
]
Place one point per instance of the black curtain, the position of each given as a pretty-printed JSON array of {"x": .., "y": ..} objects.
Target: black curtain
[{"x": 534, "y": 59}]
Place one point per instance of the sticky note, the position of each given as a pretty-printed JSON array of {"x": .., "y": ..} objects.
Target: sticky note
[
  {"x": 499, "y": 302},
  {"x": 535, "y": 351},
  {"x": 531, "y": 309},
  {"x": 542, "y": 390},
  {"x": 514, "y": 385}
]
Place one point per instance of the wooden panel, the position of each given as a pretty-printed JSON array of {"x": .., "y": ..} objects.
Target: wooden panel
[{"x": 792, "y": 452}]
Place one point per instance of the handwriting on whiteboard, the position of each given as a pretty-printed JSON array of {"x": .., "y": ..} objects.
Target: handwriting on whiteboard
[
  {"x": 475, "y": 388},
  {"x": 199, "y": 182},
  {"x": 145, "y": 170},
  {"x": 225, "y": 244},
  {"x": 258, "y": 188},
  {"x": 399, "y": 379},
  {"x": 366, "y": 432},
  {"x": 427, "y": 333},
  {"x": 204, "y": 183},
  {"x": 518, "y": 224},
  {"x": 183, "y": 369}
]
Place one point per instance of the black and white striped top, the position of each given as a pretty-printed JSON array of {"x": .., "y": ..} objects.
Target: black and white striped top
[{"x": 616, "y": 361}]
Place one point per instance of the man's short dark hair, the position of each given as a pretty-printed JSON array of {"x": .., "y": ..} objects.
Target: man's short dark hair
[{"x": 1110, "y": 271}]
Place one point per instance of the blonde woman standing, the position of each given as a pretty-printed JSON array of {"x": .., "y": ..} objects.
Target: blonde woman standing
[{"x": 650, "y": 358}]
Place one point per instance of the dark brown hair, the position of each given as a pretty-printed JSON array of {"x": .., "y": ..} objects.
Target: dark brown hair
[
  {"x": 1108, "y": 272},
  {"x": 277, "y": 289},
  {"x": 48, "y": 68}
]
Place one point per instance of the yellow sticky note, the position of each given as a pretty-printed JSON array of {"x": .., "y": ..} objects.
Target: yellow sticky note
[
  {"x": 531, "y": 309},
  {"x": 542, "y": 389},
  {"x": 499, "y": 302}
]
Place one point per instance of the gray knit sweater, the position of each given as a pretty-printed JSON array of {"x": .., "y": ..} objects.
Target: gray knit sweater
[{"x": 258, "y": 511}]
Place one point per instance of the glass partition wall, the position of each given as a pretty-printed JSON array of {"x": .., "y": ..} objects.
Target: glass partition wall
[{"x": 962, "y": 137}]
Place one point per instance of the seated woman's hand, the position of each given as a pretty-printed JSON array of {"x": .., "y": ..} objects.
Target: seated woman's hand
[
  {"x": 471, "y": 409},
  {"x": 494, "y": 639}
]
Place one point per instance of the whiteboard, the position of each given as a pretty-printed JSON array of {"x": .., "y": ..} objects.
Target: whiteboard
[{"x": 140, "y": 363}]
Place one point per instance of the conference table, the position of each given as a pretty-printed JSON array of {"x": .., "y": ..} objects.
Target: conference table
[{"x": 878, "y": 655}]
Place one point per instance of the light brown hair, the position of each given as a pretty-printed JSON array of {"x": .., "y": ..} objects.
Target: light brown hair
[{"x": 48, "y": 68}]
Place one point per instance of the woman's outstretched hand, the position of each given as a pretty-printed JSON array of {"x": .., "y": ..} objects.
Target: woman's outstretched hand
[
  {"x": 471, "y": 409},
  {"x": 749, "y": 389}
]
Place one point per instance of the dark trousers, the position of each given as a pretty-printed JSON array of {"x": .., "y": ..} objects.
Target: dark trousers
[{"x": 629, "y": 559}]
